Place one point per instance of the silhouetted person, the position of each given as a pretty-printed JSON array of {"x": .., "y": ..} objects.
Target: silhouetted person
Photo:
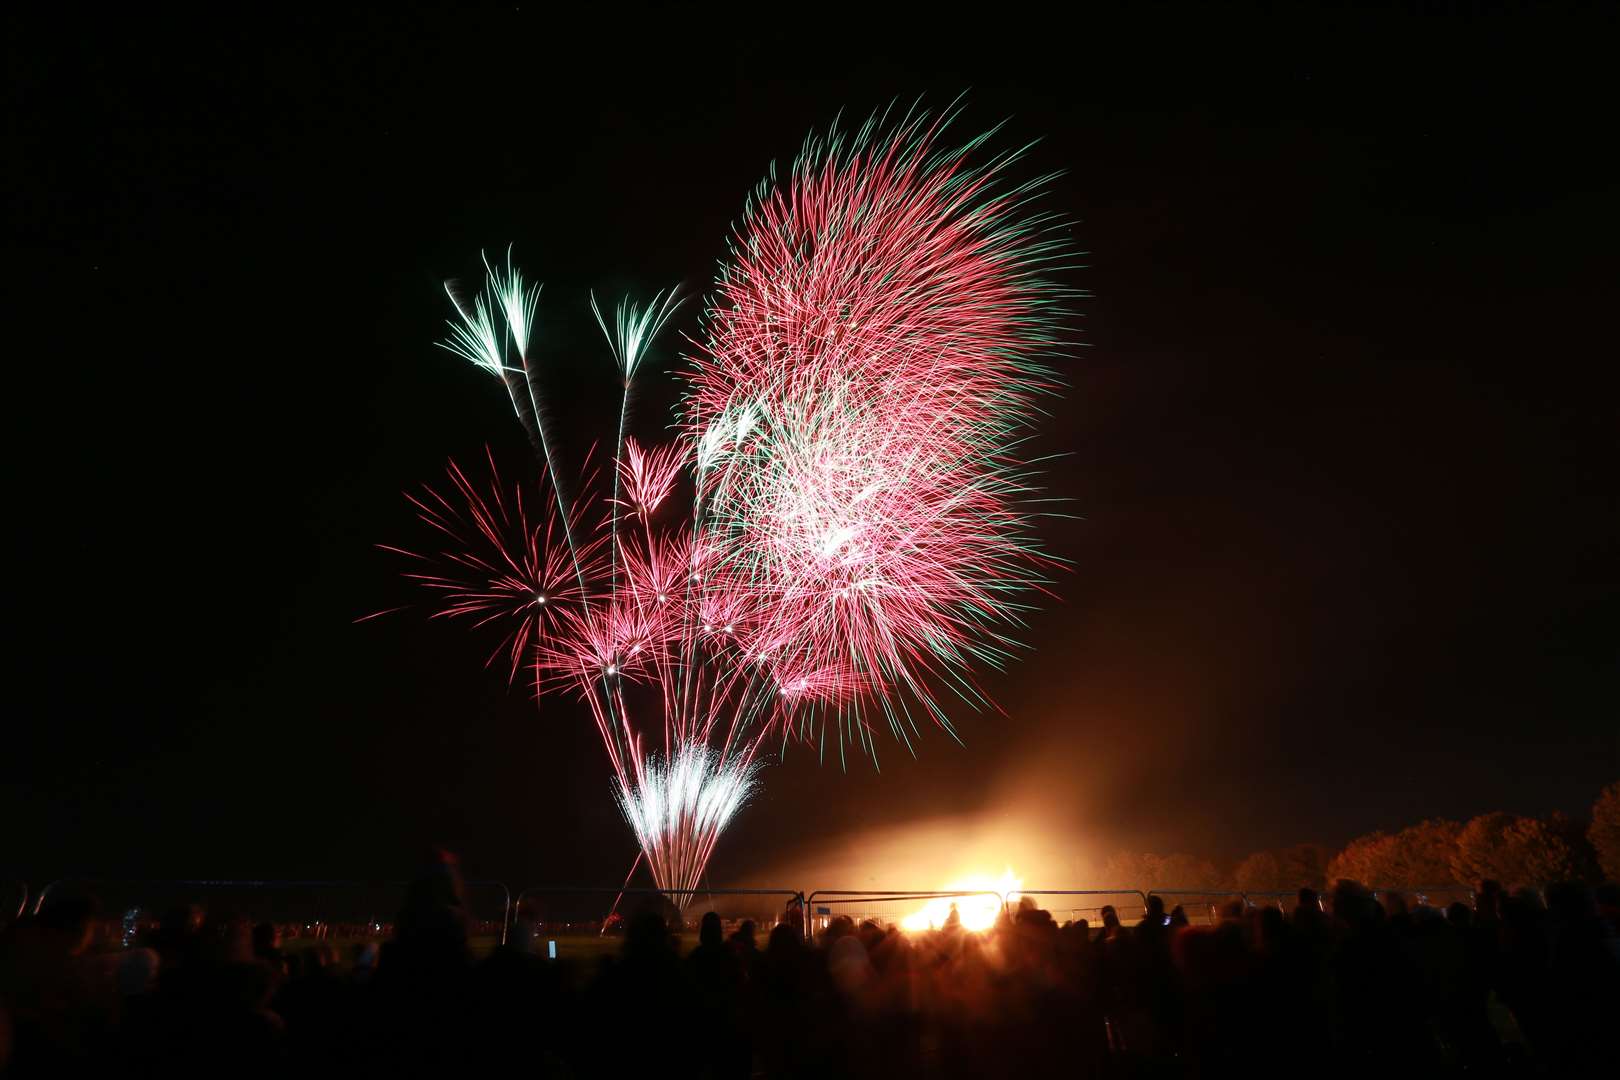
[
  {"x": 1377, "y": 986},
  {"x": 1087, "y": 1044},
  {"x": 420, "y": 996},
  {"x": 1217, "y": 970},
  {"x": 1154, "y": 982},
  {"x": 212, "y": 1012},
  {"x": 1583, "y": 986},
  {"x": 1365, "y": 984},
  {"x": 641, "y": 1005},
  {"x": 1153, "y": 914},
  {"x": 1522, "y": 962},
  {"x": 523, "y": 1011},
  {"x": 1119, "y": 981},
  {"x": 48, "y": 987},
  {"x": 724, "y": 1048},
  {"x": 267, "y": 949},
  {"x": 1488, "y": 903},
  {"x": 783, "y": 996},
  {"x": 744, "y": 945},
  {"x": 1462, "y": 1017},
  {"x": 317, "y": 1005}
]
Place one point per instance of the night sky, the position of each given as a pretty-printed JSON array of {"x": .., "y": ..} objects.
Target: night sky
[{"x": 1342, "y": 434}]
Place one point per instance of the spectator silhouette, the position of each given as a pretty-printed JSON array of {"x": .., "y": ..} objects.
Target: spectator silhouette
[
  {"x": 724, "y": 1048},
  {"x": 420, "y": 996},
  {"x": 1364, "y": 983},
  {"x": 744, "y": 945},
  {"x": 57, "y": 1008},
  {"x": 784, "y": 997}
]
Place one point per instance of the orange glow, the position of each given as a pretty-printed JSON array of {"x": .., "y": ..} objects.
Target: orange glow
[{"x": 977, "y": 912}]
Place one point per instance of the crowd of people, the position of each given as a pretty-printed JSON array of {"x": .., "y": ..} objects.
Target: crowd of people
[{"x": 1521, "y": 983}]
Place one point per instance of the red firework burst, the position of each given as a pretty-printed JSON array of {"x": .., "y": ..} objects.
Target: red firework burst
[
  {"x": 498, "y": 569},
  {"x": 861, "y": 534}
]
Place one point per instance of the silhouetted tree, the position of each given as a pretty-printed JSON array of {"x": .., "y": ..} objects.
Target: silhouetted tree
[
  {"x": 1150, "y": 871},
  {"x": 1604, "y": 832},
  {"x": 1303, "y": 866},
  {"x": 1129, "y": 870},
  {"x": 1421, "y": 854},
  {"x": 1190, "y": 872},
  {"x": 1575, "y": 832},
  {"x": 1260, "y": 872},
  {"x": 1513, "y": 850},
  {"x": 1368, "y": 859}
]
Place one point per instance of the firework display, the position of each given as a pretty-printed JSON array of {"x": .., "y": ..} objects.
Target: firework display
[{"x": 853, "y": 441}]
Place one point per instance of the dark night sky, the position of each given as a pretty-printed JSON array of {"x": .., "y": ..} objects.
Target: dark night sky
[{"x": 1343, "y": 434}]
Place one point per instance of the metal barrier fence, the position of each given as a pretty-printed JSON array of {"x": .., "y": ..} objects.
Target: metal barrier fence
[
  {"x": 322, "y": 909},
  {"x": 974, "y": 907},
  {"x": 1438, "y": 896},
  {"x": 574, "y": 922},
  {"x": 1285, "y": 902},
  {"x": 572, "y": 914},
  {"x": 1072, "y": 905},
  {"x": 1201, "y": 906}
]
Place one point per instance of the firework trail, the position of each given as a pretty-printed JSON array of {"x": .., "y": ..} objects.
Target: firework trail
[{"x": 861, "y": 532}]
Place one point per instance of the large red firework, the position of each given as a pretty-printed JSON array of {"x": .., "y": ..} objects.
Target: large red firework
[
  {"x": 859, "y": 410},
  {"x": 861, "y": 528}
]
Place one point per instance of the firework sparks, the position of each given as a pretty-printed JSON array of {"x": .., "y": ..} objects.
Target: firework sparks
[
  {"x": 691, "y": 793},
  {"x": 649, "y": 476},
  {"x": 871, "y": 371},
  {"x": 634, "y": 328},
  {"x": 495, "y": 567},
  {"x": 862, "y": 531},
  {"x": 475, "y": 338}
]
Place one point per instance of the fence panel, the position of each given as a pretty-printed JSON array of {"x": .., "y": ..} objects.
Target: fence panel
[
  {"x": 976, "y": 909},
  {"x": 1285, "y": 902},
  {"x": 568, "y": 922},
  {"x": 1072, "y": 905},
  {"x": 1203, "y": 907},
  {"x": 1439, "y": 896},
  {"x": 331, "y": 912}
]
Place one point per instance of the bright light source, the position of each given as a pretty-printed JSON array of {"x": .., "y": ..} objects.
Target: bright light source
[{"x": 976, "y": 912}]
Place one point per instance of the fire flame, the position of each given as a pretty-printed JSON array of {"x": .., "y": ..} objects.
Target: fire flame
[{"x": 976, "y": 912}]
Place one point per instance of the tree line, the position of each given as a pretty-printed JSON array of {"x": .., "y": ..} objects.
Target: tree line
[{"x": 1497, "y": 846}]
